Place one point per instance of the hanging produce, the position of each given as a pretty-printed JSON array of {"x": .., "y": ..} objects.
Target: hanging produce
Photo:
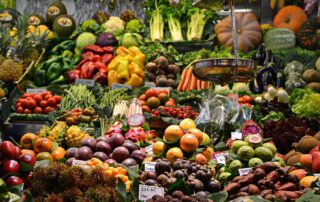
[{"x": 307, "y": 36}]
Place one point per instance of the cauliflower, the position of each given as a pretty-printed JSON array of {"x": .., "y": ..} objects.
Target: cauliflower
[
  {"x": 114, "y": 25},
  {"x": 135, "y": 26}
]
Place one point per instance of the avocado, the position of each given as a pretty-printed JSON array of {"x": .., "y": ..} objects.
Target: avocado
[
  {"x": 9, "y": 16},
  {"x": 64, "y": 25},
  {"x": 54, "y": 10},
  {"x": 36, "y": 19}
]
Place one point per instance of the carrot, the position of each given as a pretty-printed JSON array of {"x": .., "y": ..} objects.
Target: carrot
[
  {"x": 183, "y": 79},
  {"x": 198, "y": 84},
  {"x": 186, "y": 85},
  {"x": 206, "y": 85},
  {"x": 203, "y": 84},
  {"x": 193, "y": 85}
]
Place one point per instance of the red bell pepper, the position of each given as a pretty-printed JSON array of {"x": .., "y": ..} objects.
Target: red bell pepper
[
  {"x": 107, "y": 58},
  {"x": 94, "y": 48},
  {"x": 86, "y": 68},
  {"x": 101, "y": 78},
  {"x": 72, "y": 75},
  {"x": 87, "y": 55},
  {"x": 108, "y": 49}
]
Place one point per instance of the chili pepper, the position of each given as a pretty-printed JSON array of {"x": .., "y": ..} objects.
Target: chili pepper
[
  {"x": 67, "y": 65},
  {"x": 101, "y": 78},
  {"x": 53, "y": 71},
  {"x": 108, "y": 49},
  {"x": 60, "y": 80},
  {"x": 75, "y": 59},
  {"x": 107, "y": 58},
  {"x": 94, "y": 48},
  {"x": 72, "y": 75},
  {"x": 40, "y": 77}
]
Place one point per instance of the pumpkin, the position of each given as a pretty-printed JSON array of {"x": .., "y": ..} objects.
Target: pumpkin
[
  {"x": 290, "y": 17},
  {"x": 248, "y": 30},
  {"x": 308, "y": 36},
  {"x": 279, "y": 39}
]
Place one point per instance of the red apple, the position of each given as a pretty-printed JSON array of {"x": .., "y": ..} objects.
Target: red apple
[
  {"x": 8, "y": 150},
  {"x": 11, "y": 166},
  {"x": 28, "y": 159},
  {"x": 27, "y": 179},
  {"x": 13, "y": 180},
  {"x": 18, "y": 150}
]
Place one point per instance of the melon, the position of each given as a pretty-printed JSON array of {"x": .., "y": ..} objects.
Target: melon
[
  {"x": 237, "y": 144},
  {"x": 279, "y": 39},
  {"x": 254, "y": 162}
]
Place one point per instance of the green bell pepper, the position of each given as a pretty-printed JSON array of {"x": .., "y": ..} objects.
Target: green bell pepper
[
  {"x": 53, "y": 72},
  {"x": 67, "y": 54},
  {"x": 60, "y": 80},
  {"x": 53, "y": 59},
  {"x": 66, "y": 45},
  {"x": 76, "y": 59},
  {"x": 67, "y": 65},
  {"x": 40, "y": 77}
]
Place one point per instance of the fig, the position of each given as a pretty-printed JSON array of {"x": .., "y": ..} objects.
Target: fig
[
  {"x": 111, "y": 161},
  {"x": 150, "y": 182},
  {"x": 116, "y": 140},
  {"x": 131, "y": 146},
  {"x": 71, "y": 152},
  {"x": 162, "y": 167},
  {"x": 70, "y": 160},
  {"x": 102, "y": 138},
  {"x": 177, "y": 194},
  {"x": 84, "y": 153},
  {"x": 89, "y": 142},
  {"x": 120, "y": 153},
  {"x": 104, "y": 147},
  {"x": 129, "y": 162},
  {"x": 138, "y": 155},
  {"x": 100, "y": 155}
]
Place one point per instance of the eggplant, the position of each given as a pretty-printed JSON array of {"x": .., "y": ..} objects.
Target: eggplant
[
  {"x": 254, "y": 87},
  {"x": 269, "y": 58},
  {"x": 265, "y": 76},
  {"x": 280, "y": 80},
  {"x": 260, "y": 55}
]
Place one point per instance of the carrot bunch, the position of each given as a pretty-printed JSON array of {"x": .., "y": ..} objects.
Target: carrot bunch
[{"x": 190, "y": 82}]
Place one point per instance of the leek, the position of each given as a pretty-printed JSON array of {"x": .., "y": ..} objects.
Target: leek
[{"x": 156, "y": 25}]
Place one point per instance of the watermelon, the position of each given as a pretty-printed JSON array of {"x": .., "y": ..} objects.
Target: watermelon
[{"x": 279, "y": 39}]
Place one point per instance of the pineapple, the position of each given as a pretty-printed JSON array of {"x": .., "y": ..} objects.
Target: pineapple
[
  {"x": 44, "y": 131},
  {"x": 74, "y": 136},
  {"x": 57, "y": 133},
  {"x": 10, "y": 70}
]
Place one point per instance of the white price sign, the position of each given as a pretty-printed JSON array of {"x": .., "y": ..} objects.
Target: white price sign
[
  {"x": 147, "y": 192},
  {"x": 244, "y": 171},
  {"x": 79, "y": 163},
  {"x": 36, "y": 90},
  {"x": 149, "y": 166},
  {"x": 236, "y": 135},
  {"x": 120, "y": 86},
  {"x": 150, "y": 84},
  {"x": 149, "y": 149},
  {"x": 221, "y": 160},
  {"x": 88, "y": 82},
  {"x": 317, "y": 175}
]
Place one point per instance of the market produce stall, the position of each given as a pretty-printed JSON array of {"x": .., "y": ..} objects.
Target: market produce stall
[{"x": 172, "y": 101}]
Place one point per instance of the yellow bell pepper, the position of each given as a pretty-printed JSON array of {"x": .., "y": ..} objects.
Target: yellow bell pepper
[
  {"x": 135, "y": 50},
  {"x": 135, "y": 81},
  {"x": 136, "y": 69},
  {"x": 112, "y": 77},
  {"x": 123, "y": 51},
  {"x": 113, "y": 65},
  {"x": 140, "y": 58},
  {"x": 123, "y": 71}
]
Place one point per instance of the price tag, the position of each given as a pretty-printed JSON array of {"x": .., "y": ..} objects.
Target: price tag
[
  {"x": 120, "y": 86},
  {"x": 88, "y": 82},
  {"x": 78, "y": 163},
  {"x": 149, "y": 149},
  {"x": 147, "y": 192},
  {"x": 221, "y": 160},
  {"x": 150, "y": 84},
  {"x": 317, "y": 175},
  {"x": 236, "y": 135},
  {"x": 36, "y": 90},
  {"x": 244, "y": 171},
  {"x": 149, "y": 166}
]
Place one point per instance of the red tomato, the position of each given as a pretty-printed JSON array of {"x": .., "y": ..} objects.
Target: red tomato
[
  {"x": 20, "y": 100},
  {"x": 29, "y": 98},
  {"x": 27, "y": 111},
  {"x": 19, "y": 110},
  {"x": 57, "y": 98},
  {"x": 24, "y": 103},
  {"x": 163, "y": 91},
  {"x": 146, "y": 108},
  {"x": 33, "y": 95},
  {"x": 38, "y": 98},
  {"x": 32, "y": 104},
  {"x": 48, "y": 109},
  {"x": 241, "y": 100},
  {"x": 51, "y": 102},
  {"x": 151, "y": 93},
  {"x": 170, "y": 104},
  {"x": 46, "y": 93},
  {"x": 143, "y": 97},
  {"x": 26, "y": 95},
  {"x": 247, "y": 98},
  {"x": 18, "y": 105},
  {"x": 38, "y": 110},
  {"x": 43, "y": 104},
  {"x": 47, "y": 97}
]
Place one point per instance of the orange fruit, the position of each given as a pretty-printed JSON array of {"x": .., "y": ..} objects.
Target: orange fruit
[
  {"x": 187, "y": 124},
  {"x": 299, "y": 173},
  {"x": 28, "y": 151},
  {"x": 153, "y": 102},
  {"x": 170, "y": 103},
  {"x": 58, "y": 153},
  {"x": 163, "y": 97},
  {"x": 27, "y": 140},
  {"x": 196, "y": 132},
  {"x": 173, "y": 133},
  {"x": 158, "y": 148},
  {"x": 307, "y": 181},
  {"x": 42, "y": 145},
  {"x": 189, "y": 143},
  {"x": 208, "y": 153},
  {"x": 306, "y": 161},
  {"x": 201, "y": 159},
  {"x": 173, "y": 154},
  {"x": 44, "y": 156},
  {"x": 151, "y": 93}
]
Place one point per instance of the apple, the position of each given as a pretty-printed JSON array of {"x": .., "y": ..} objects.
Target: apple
[
  {"x": 18, "y": 150},
  {"x": 13, "y": 180},
  {"x": 8, "y": 150},
  {"x": 27, "y": 178},
  {"x": 11, "y": 166},
  {"x": 28, "y": 159}
]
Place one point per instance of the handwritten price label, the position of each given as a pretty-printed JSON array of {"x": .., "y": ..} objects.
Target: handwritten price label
[
  {"x": 150, "y": 84},
  {"x": 221, "y": 160},
  {"x": 244, "y": 171},
  {"x": 149, "y": 149},
  {"x": 120, "y": 86},
  {"x": 79, "y": 163},
  {"x": 236, "y": 135},
  {"x": 88, "y": 82},
  {"x": 147, "y": 192},
  {"x": 149, "y": 166},
  {"x": 36, "y": 90}
]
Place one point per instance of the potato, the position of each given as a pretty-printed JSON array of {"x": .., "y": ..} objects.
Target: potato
[
  {"x": 314, "y": 86},
  {"x": 311, "y": 75}
]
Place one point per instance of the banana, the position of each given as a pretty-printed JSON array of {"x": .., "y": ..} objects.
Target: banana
[
  {"x": 273, "y": 3},
  {"x": 281, "y": 3}
]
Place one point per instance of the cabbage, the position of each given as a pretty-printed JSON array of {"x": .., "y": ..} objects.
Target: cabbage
[
  {"x": 131, "y": 39},
  {"x": 85, "y": 39}
]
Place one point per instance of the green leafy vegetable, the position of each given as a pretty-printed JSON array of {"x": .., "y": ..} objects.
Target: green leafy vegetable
[
  {"x": 308, "y": 106},
  {"x": 197, "y": 23},
  {"x": 274, "y": 116}
]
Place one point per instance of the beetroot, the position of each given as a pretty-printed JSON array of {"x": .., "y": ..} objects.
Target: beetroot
[{"x": 136, "y": 120}]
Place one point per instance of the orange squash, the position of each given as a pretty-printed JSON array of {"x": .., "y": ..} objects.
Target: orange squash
[
  {"x": 248, "y": 30},
  {"x": 290, "y": 17}
]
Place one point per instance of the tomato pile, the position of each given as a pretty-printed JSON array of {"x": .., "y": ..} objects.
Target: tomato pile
[
  {"x": 36, "y": 103},
  {"x": 154, "y": 98},
  {"x": 180, "y": 112}
]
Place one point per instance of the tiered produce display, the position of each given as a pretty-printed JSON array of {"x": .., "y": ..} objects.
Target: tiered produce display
[{"x": 124, "y": 117}]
